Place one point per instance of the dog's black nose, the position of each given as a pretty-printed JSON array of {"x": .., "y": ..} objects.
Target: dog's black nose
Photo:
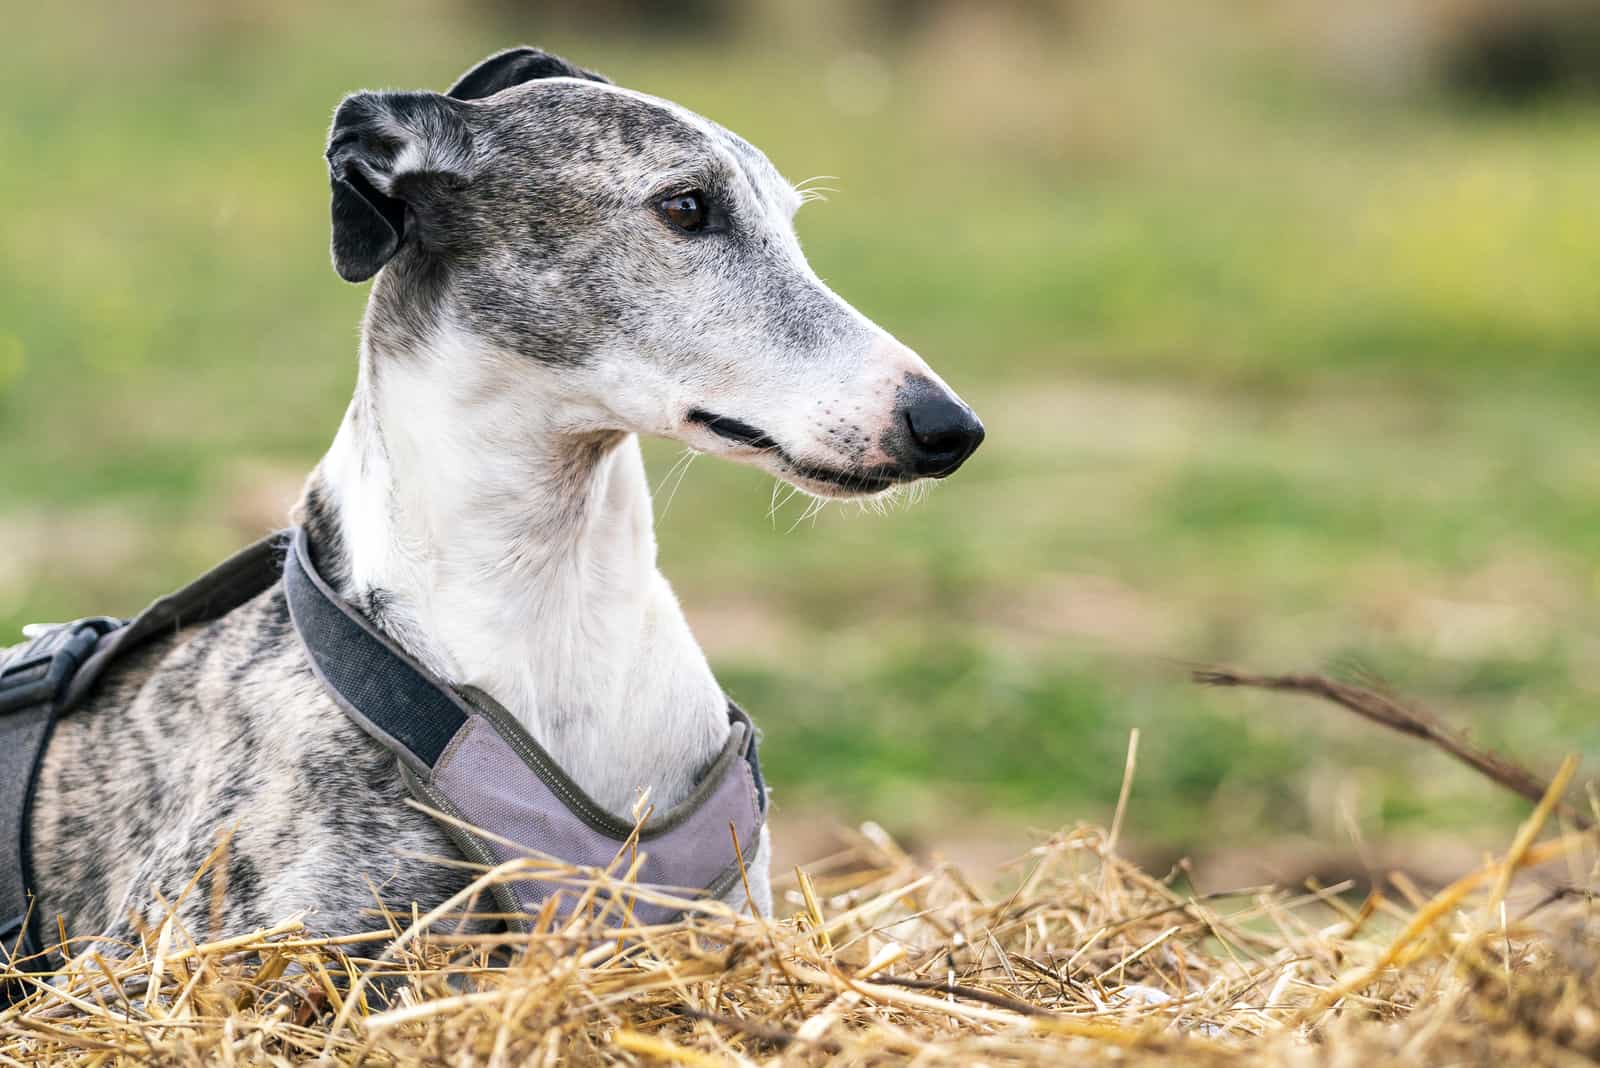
[{"x": 942, "y": 432}]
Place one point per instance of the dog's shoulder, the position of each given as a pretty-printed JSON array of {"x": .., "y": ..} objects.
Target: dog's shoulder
[{"x": 222, "y": 730}]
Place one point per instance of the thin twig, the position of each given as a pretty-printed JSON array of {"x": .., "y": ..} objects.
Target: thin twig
[
  {"x": 1406, "y": 719},
  {"x": 971, "y": 993}
]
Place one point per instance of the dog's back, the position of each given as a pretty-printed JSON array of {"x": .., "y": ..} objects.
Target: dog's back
[{"x": 222, "y": 731}]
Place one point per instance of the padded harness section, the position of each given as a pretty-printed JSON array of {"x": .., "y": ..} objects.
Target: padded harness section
[{"x": 467, "y": 758}]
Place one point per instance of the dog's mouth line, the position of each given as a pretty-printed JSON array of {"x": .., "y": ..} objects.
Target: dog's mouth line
[
  {"x": 874, "y": 480},
  {"x": 735, "y": 430},
  {"x": 864, "y": 482}
]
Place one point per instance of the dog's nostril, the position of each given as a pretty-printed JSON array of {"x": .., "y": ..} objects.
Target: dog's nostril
[
  {"x": 941, "y": 440},
  {"x": 943, "y": 433}
]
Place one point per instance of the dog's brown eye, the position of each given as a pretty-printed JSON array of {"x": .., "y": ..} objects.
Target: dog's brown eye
[{"x": 686, "y": 211}]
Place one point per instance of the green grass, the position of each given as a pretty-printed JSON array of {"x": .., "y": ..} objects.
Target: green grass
[{"x": 1273, "y": 374}]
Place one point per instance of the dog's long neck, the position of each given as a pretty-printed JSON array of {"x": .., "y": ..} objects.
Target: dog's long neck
[{"x": 508, "y": 553}]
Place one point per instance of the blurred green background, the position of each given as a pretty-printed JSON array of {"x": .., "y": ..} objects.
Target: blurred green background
[{"x": 1283, "y": 319}]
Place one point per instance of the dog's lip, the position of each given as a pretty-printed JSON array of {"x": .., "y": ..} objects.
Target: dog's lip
[
  {"x": 735, "y": 430},
  {"x": 864, "y": 483}
]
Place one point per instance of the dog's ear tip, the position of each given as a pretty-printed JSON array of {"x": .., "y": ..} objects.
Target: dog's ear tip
[
  {"x": 368, "y": 228},
  {"x": 351, "y": 274},
  {"x": 353, "y": 105},
  {"x": 359, "y": 265},
  {"x": 514, "y": 66}
]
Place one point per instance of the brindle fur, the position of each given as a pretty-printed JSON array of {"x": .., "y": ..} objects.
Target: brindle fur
[{"x": 181, "y": 745}]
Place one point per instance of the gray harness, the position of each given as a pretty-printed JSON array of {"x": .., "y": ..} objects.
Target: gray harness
[{"x": 461, "y": 754}]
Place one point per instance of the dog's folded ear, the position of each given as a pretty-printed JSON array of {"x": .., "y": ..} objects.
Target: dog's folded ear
[
  {"x": 386, "y": 153},
  {"x": 513, "y": 67}
]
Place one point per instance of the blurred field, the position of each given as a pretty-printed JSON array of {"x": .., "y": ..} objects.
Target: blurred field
[{"x": 1280, "y": 367}]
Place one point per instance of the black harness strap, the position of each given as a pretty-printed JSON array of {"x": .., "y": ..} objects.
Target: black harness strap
[
  {"x": 387, "y": 693},
  {"x": 32, "y": 677},
  {"x": 216, "y": 593}
]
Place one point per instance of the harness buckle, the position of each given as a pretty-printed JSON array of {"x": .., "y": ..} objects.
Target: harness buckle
[{"x": 37, "y": 672}]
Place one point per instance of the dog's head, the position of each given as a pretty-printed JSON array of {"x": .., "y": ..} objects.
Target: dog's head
[{"x": 634, "y": 264}]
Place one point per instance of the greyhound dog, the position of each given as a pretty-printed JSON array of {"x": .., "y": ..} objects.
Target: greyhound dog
[{"x": 560, "y": 265}]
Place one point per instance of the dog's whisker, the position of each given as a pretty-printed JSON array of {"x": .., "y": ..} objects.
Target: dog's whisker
[
  {"x": 812, "y": 510},
  {"x": 810, "y": 192},
  {"x": 778, "y": 503},
  {"x": 796, "y": 524},
  {"x": 682, "y": 467},
  {"x": 678, "y": 465},
  {"x": 682, "y": 458},
  {"x": 772, "y": 503}
]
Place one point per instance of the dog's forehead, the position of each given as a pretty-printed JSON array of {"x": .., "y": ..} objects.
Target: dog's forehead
[{"x": 587, "y": 118}]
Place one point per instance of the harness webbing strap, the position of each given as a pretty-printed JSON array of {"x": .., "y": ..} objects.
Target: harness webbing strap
[
  {"x": 32, "y": 677},
  {"x": 387, "y": 693},
  {"x": 219, "y": 591},
  {"x": 23, "y": 734}
]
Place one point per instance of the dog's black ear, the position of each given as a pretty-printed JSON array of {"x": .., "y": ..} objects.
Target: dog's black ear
[
  {"x": 385, "y": 152},
  {"x": 513, "y": 67}
]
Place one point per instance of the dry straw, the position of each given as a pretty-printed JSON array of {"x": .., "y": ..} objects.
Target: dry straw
[{"x": 1078, "y": 958}]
